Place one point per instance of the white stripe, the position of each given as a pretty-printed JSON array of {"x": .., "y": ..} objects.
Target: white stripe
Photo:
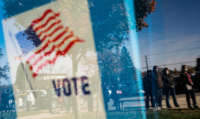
[
  {"x": 52, "y": 55},
  {"x": 48, "y": 39},
  {"x": 44, "y": 20},
  {"x": 50, "y": 46},
  {"x": 49, "y": 31}
]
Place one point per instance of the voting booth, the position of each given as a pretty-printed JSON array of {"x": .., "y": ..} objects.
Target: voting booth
[{"x": 72, "y": 59}]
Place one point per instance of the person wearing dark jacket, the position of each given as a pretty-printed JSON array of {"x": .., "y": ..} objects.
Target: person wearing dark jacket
[
  {"x": 188, "y": 86},
  {"x": 148, "y": 89},
  {"x": 197, "y": 74},
  {"x": 157, "y": 87},
  {"x": 169, "y": 86}
]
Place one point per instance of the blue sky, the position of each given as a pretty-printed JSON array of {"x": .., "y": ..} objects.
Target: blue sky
[{"x": 173, "y": 35}]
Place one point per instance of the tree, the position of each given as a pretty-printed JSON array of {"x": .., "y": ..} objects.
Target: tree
[
  {"x": 142, "y": 9},
  {"x": 110, "y": 30},
  {"x": 128, "y": 68},
  {"x": 6, "y": 91},
  {"x": 127, "y": 74},
  {"x": 3, "y": 69}
]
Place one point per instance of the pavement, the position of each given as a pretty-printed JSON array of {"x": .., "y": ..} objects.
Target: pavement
[
  {"x": 44, "y": 114},
  {"x": 181, "y": 99}
]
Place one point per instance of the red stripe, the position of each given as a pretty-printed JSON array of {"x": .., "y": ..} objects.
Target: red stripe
[
  {"x": 65, "y": 39},
  {"x": 52, "y": 33},
  {"x": 43, "y": 16},
  {"x": 46, "y": 45},
  {"x": 46, "y": 23},
  {"x": 55, "y": 39},
  {"x": 49, "y": 28},
  {"x": 53, "y": 48},
  {"x": 59, "y": 53},
  {"x": 40, "y": 19},
  {"x": 61, "y": 34},
  {"x": 40, "y": 58},
  {"x": 47, "y": 62},
  {"x": 69, "y": 46},
  {"x": 34, "y": 75},
  {"x": 59, "y": 45},
  {"x": 31, "y": 57}
]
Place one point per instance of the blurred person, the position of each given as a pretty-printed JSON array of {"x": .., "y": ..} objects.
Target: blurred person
[
  {"x": 157, "y": 87},
  {"x": 107, "y": 96},
  {"x": 115, "y": 97},
  {"x": 188, "y": 87},
  {"x": 197, "y": 75},
  {"x": 148, "y": 89},
  {"x": 169, "y": 86},
  {"x": 198, "y": 68}
]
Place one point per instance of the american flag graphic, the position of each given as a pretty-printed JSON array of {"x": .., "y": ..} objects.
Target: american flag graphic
[{"x": 51, "y": 38}]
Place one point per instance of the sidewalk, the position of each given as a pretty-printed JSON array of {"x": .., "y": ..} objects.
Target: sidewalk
[{"x": 181, "y": 99}]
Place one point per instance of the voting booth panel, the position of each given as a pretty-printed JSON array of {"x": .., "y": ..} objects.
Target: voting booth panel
[{"x": 73, "y": 59}]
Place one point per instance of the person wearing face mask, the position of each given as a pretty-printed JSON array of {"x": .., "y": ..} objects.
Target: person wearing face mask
[
  {"x": 188, "y": 86},
  {"x": 169, "y": 86}
]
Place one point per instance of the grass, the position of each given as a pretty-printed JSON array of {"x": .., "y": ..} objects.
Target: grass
[
  {"x": 164, "y": 114},
  {"x": 174, "y": 114}
]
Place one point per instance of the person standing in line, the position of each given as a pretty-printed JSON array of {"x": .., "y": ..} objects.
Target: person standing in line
[
  {"x": 169, "y": 86},
  {"x": 197, "y": 74},
  {"x": 157, "y": 87},
  {"x": 148, "y": 89},
  {"x": 188, "y": 86}
]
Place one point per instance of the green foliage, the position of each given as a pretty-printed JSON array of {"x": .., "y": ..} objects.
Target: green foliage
[
  {"x": 142, "y": 9},
  {"x": 174, "y": 114},
  {"x": 3, "y": 69},
  {"x": 127, "y": 68}
]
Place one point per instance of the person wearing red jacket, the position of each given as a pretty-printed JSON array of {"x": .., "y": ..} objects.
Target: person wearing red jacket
[{"x": 188, "y": 86}]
